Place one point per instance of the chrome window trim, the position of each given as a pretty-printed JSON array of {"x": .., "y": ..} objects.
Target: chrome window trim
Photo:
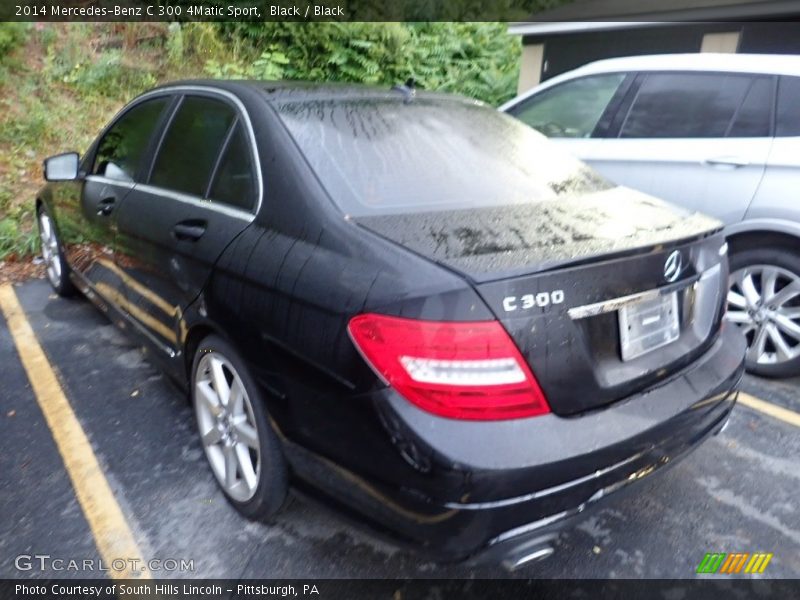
[
  {"x": 111, "y": 181},
  {"x": 231, "y": 211},
  {"x": 245, "y": 117},
  {"x": 225, "y": 209}
]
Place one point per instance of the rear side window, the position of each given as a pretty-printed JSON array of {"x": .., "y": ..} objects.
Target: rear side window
[
  {"x": 787, "y": 119},
  {"x": 685, "y": 105},
  {"x": 570, "y": 109},
  {"x": 234, "y": 183},
  {"x": 191, "y": 145},
  {"x": 120, "y": 152}
]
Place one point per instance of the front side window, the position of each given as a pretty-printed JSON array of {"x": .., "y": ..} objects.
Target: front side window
[
  {"x": 191, "y": 145},
  {"x": 571, "y": 109},
  {"x": 685, "y": 105},
  {"x": 121, "y": 151},
  {"x": 787, "y": 119}
]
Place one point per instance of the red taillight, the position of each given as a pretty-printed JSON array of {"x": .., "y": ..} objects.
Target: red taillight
[{"x": 460, "y": 370}]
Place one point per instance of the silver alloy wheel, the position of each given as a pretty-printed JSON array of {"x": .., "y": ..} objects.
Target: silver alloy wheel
[
  {"x": 52, "y": 260},
  {"x": 764, "y": 301},
  {"x": 227, "y": 426}
]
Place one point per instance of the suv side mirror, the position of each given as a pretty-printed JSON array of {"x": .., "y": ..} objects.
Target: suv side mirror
[{"x": 61, "y": 167}]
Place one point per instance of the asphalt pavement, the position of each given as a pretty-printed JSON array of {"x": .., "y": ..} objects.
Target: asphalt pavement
[{"x": 736, "y": 493}]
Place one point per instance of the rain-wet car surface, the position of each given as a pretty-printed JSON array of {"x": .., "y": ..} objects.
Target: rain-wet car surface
[{"x": 382, "y": 298}]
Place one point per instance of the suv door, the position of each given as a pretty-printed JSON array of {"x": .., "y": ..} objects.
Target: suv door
[
  {"x": 112, "y": 166},
  {"x": 699, "y": 140},
  {"x": 574, "y": 114},
  {"x": 202, "y": 191},
  {"x": 777, "y": 195}
]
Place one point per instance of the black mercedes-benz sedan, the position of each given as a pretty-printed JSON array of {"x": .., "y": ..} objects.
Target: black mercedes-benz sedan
[{"x": 406, "y": 304}]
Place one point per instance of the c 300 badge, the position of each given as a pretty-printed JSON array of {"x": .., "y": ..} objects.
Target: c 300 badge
[{"x": 528, "y": 301}]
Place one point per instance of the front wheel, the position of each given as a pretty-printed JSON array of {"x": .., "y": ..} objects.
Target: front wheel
[
  {"x": 242, "y": 450},
  {"x": 764, "y": 301},
  {"x": 55, "y": 264}
]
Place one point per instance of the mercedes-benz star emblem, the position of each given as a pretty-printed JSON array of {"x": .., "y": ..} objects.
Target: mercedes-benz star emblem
[{"x": 673, "y": 266}]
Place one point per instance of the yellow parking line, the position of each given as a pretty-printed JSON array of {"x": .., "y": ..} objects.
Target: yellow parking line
[
  {"x": 777, "y": 412},
  {"x": 110, "y": 529}
]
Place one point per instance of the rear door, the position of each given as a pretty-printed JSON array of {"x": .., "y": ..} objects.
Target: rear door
[
  {"x": 202, "y": 191},
  {"x": 777, "y": 195},
  {"x": 699, "y": 140}
]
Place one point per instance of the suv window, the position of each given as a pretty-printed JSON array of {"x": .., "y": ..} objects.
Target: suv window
[
  {"x": 191, "y": 145},
  {"x": 119, "y": 154},
  {"x": 754, "y": 115},
  {"x": 787, "y": 119},
  {"x": 234, "y": 182},
  {"x": 685, "y": 105},
  {"x": 570, "y": 109}
]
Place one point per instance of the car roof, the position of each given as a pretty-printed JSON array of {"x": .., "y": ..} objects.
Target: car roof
[
  {"x": 304, "y": 90},
  {"x": 777, "y": 64}
]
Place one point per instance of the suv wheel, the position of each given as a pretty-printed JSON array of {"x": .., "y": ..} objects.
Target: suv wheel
[
  {"x": 242, "y": 450},
  {"x": 764, "y": 301}
]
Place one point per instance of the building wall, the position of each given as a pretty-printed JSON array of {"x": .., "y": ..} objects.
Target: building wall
[
  {"x": 530, "y": 68},
  {"x": 727, "y": 41},
  {"x": 547, "y": 56}
]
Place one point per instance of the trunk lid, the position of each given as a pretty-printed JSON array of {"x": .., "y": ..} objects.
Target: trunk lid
[
  {"x": 486, "y": 244},
  {"x": 557, "y": 274}
]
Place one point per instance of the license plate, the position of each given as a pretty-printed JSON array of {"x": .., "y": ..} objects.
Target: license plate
[{"x": 648, "y": 325}]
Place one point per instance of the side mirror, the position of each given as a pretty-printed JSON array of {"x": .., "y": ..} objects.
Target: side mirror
[{"x": 61, "y": 167}]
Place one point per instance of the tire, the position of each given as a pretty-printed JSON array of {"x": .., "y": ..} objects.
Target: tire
[
  {"x": 764, "y": 301},
  {"x": 57, "y": 268},
  {"x": 234, "y": 432}
]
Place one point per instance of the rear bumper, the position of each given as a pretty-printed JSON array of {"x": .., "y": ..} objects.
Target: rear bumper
[
  {"x": 585, "y": 494},
  {"x": 484, "y": 491}
]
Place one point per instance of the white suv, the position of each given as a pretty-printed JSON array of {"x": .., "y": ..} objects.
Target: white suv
[{"x": 717, "y": 133}]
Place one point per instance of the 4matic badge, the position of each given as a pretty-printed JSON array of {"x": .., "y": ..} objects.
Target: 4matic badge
[{"x": 528, "y": 301}]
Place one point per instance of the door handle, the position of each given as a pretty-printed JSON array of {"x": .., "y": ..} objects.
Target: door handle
[
  {"x": 729, "y": 162},
  {"x": 190, "y": 230},
  {"x": 106, "y": 206}
]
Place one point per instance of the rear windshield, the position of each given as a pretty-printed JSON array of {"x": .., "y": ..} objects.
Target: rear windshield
[{"x": 388, "y": 157}]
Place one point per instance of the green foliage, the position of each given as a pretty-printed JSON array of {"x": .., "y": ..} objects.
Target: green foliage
[
  {"x": 476, "y": 59},
  {"x": 175, "y": 45},
  {"x": 106, "y": 75},
  {"x": 21, "y": 130},
  {"x": 11, "y": 36},
  {"x": 15, "y": 241}
]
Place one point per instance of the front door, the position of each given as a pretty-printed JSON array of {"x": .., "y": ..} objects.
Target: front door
[{"x": 113, "y": 169}]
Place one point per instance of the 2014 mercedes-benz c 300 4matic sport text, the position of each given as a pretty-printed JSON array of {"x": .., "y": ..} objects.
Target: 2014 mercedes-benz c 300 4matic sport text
[{"x": 406, "y": 304}]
